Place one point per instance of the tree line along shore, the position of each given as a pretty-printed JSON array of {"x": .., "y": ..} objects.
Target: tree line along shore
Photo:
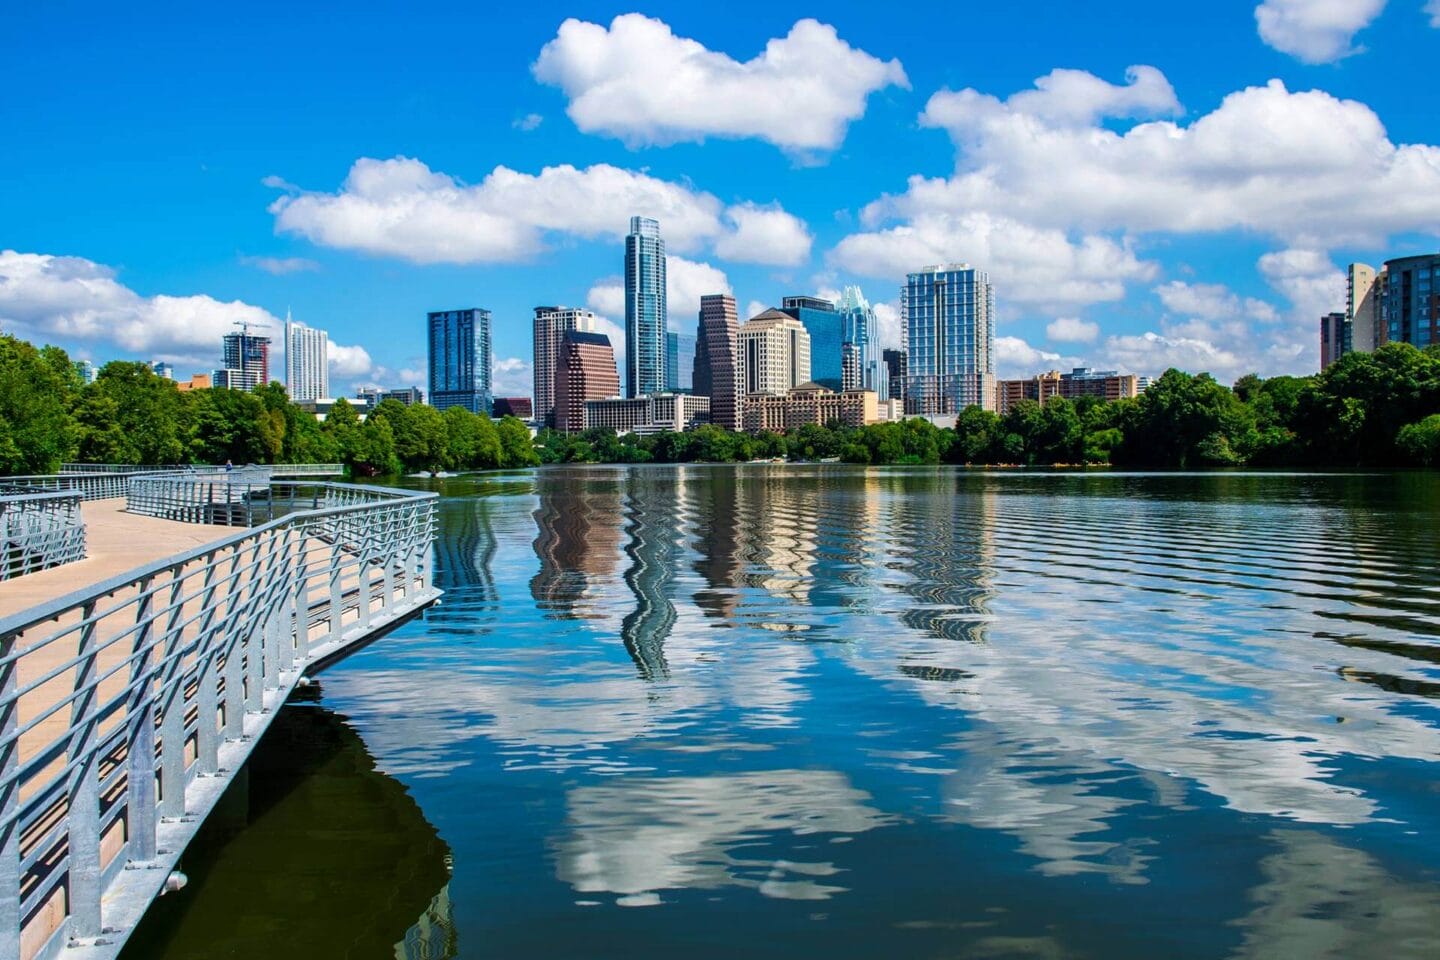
[{"x": 1378, "y": 409}]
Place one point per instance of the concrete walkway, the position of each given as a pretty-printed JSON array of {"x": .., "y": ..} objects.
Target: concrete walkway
[{"x": 115, "y": 542}]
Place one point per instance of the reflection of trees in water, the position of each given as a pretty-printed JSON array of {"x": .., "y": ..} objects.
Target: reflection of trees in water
[
  {"x": 577, "y": 537},
  {"x": 653, "y": 527},
  {"x": 312, "y": 853},
  {"x": 1323, "y": 901}
]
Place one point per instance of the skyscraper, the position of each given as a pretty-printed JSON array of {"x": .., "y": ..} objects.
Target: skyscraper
[
  {"x": 949, "y": 311},
  {"x": 246, "y": 360},
  {"x": 1411, "y": 304},
  {"x": 717, "y": 359},
  {"x": 860, "y": 367},
  {"x": 307, "y": 366},
  {"x": 460, "y": 359},
  {"x": 551, "y": 325},
  {"x": 679, "y": 363},
  {"x": 1363, "y": 295},
  {"x": 823, "y": 324},
  {"x": 645, "y": 314},
  {"x": 774, "y": 353},
  {"x": 585, "y": 371}
]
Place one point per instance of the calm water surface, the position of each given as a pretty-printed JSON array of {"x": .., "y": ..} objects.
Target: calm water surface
[{"x": 828, "y": 711}]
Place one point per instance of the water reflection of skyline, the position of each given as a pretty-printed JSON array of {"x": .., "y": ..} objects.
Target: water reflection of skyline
[{"x": 1067, "y": 662}]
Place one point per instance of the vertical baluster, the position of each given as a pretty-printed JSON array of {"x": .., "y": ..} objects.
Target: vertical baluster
[
  {"x": 82, "y": 819},
  {"x": 140, "y": 736}
]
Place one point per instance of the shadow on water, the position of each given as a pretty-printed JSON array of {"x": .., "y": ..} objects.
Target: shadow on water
[{"x": 310, "y": 829}]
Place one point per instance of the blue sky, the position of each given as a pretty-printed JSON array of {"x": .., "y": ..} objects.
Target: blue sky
[{"x": 1185, "y": 191}]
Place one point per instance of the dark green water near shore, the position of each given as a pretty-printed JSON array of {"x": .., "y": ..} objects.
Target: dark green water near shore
[{"x": 830, "y": 711}]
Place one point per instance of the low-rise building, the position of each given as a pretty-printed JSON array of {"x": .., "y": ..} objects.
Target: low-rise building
[
  {"x": 652, "y": 414},
  {"x": 1079, "y": 382},
  {"x": 810, "y": 403},
  {"x": 197, "y": 381}
]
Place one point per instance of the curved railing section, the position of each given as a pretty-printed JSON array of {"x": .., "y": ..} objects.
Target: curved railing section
[
  {"x": 38, "y": 529},
  {"x": 126, "y": 708},
  {"x": 224, "y": 497}
]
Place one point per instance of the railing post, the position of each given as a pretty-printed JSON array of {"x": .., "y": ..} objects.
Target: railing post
[
  {"x": 82, "y": 819},
  {"x": 9, "y": 803},
  {"x": 140, "y": 737}
]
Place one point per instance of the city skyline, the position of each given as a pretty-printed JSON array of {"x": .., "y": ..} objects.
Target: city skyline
[{"x": 907, "y": 160}]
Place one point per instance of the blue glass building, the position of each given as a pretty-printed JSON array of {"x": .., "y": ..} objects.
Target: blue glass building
[
  {"x": 460, "y": 359},
  {"x": 859, "y": 335},
  {"x": 822, "y": 322},
  {"x": 679, "y": 363},
  {"x": 645, "y": 314},
  {"x": 950, "y": 351}
]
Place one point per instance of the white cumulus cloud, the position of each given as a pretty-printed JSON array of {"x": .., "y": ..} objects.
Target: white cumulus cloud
[
  {"x": 764, "y": 234},
  {"x": 401, "y": 208},
  {"x": 349, "y": 362},
  {"x": 1016, "y": 359},
  {"x": 1433, "y": 8},
  {"x": 1315, "y": 31},
  {"x": 1212, "y": 301},
  {"x": 638, "y": 81},
  {"x": 686, "y": 281},
  {"x": 1034, "y": 266},
  {"x": 1072, "y": 330},
  {"x": 512, "y": 377},
  {"x": 280, "y": 265}
]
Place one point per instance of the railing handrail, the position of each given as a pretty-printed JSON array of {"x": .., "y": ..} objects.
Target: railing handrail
[
  {"x": 49, "y": 610},
  {"x": 31, "y": 496}
]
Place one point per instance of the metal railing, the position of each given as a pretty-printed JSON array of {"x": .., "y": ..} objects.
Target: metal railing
[
  {"x": 225, "y": 497},
  {"x": 120, "y": 468},
  {"x": 125, "y": 708},
  {"x": 38, "y": 529},
  {"x": 308, "y": 469},
  {"x": 90, "y": 486},
  {"x": 279, "y": 469}
]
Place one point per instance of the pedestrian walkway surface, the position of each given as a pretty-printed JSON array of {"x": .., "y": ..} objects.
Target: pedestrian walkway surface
[{"x": 115, "y": 542}]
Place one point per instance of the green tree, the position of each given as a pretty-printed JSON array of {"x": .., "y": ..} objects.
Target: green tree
[
  {"x": 517, "y": 449},
  {"x": 1185, "y": 421},
  {"x": 37, "y": 431},
  {"x": 1420, "y": 442}
]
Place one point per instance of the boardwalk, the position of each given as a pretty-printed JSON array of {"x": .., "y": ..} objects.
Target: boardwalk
[{"x": 134, "y": 682}]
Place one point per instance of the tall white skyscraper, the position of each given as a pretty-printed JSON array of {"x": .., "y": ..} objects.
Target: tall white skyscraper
[
  {"x": 551, "y": 325},
  {"x": 949, "y": 312},
  {"x": 307, "y": 361}
]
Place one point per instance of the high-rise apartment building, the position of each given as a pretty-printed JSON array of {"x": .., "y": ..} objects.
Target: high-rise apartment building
[
  {"x": 949, "y": 314},
  {"x": 87, "y": 371},
  {"x": 460, "y": 359},
  {"x": 307, "y": 362},
  {"x": 895, "y": 373},
  {"x": 859, "y": 336},
  {"x": 1334, "y": 338},
  {"x": 163, "y": 370},
  {"x": 1079, "y": 382},
  {"x": 645, "y": 314},
  {"x": 679, "y": 363},
  {"x": 1411, "y": 300},
  {"x": 246, "y": 361},
  {"x": 585, "y": 371},
  {"x": 1363, "y": 295},
  {"x": 717, "y": 359},
  {"x": 824, "y": 325},
  {"x": 551, "y": 325},
  {"x": 774, "y": 354}
]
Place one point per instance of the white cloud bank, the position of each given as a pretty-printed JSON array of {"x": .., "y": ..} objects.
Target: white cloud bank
[
  {"x": 1315, "y": 31},
  {"x": 78, "y": 301},
  {"x": 401, "y": 208},
  {"x": 637, "y": 81},
  {"x": 1072, "y": 330}
]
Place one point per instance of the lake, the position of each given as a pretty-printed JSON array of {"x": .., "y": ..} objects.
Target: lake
[{"x": 789, "y": 711}]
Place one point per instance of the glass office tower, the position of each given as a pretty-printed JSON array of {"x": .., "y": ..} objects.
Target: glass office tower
[
  {"x": 949, "y": 313},
  {"x": 645, "y": 313},
  {"x": 858, "y": 340},
  {"x": 460, "y": 359},
  {"x": 1411, "y": 300},
  {"x": 823, "y": 324},
  {"x": 679, "y": 363}
]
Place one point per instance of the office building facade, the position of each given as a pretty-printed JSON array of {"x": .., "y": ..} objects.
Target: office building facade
[
  {"x": 717, "y": 359},
  {"x": 645, "y": 312},
  {"x": 521, "y": 408},
  {"x": 895, "y": 372},
  {"x": 586, "y": 371},
  {"x": 679, "y": 363},
  {"x": 246, "y": 362},
  {"x": 824, "y": 325},
  {"x": 307, "y": 361},
  {"x": 949, "y": 315},
  {"x": 461, "y": 357},
  {"x": 551, "y": 325},
  {"x": 1411, "y": 300},
  {"x": 774, "y": 353},
  {"x": 1363, "y": 295},
  {"x": 655, "y": 413}
]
